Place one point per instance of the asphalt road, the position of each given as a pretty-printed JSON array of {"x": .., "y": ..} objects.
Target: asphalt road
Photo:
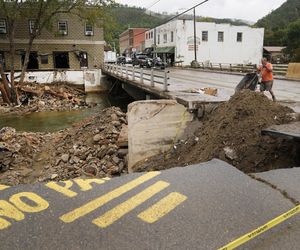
[
  {"x": 182, "y": 79},
  {"x": 204, "y": 206}
]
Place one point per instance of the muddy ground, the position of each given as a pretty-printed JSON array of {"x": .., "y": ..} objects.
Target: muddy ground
[{"x": 233, "y": 133}]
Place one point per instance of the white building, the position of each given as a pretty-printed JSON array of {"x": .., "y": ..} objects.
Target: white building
[{"x": 216, "y": 43}]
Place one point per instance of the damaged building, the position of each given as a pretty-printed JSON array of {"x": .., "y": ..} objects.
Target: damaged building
[{"x": 71, "y": 44}]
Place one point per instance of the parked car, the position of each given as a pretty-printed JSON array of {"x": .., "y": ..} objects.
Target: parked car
[
  {"x": 121, "y": 60},
  {"x": 158, "y": 63},
  {"x": 139, "y": 60},
  {"x": 124, "y": 60},
  {"x": 128, "y": 60}
]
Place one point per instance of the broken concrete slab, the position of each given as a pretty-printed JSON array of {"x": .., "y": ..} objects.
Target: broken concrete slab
[
  {"x": 291, "y": 130},
  {"x": 153, "y": 128},
  {"x": 222, "y": 203},
  {"x": 287, "y": 180}
]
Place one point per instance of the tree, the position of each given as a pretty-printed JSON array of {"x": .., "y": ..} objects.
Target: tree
[
  {"x": 293, "y": 41},
  {"x": 42, "y": 13}
]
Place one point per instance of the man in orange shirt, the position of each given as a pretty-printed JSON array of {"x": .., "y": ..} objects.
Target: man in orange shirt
[{"x": 266, "y": 71}]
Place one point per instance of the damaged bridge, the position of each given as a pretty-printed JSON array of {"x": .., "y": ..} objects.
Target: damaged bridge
[{"x": 159, "y": 84}]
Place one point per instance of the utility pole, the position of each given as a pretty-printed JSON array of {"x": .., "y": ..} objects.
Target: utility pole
[{"x": 195, "y": 35}]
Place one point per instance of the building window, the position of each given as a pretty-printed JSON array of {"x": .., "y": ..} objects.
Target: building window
[
  {"x": 172, "y": 36},
  {"x": 151, "y": 34},
  {"x": 63, "y": 28},
  {"x": 158, "y": 39},
  {"x": 3, "y": 29},
  {"x": 204, "y": 36},
  {"x": 220, "y": 36},
  {"x": 61, "y": 60},
  {"x": 165, "y": 38},
  {"x": 89, "y": 29},
  {"x": 44, "y": 59},
  {"x": 239, "y": 37},
  {"x": 32, "y": 26},
  {"x": 147, "y": 36}
]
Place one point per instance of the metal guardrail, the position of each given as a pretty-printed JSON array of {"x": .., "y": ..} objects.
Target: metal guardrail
[
  {"x": 139, "y": 75},
  {"x": 278, "y": 69}
]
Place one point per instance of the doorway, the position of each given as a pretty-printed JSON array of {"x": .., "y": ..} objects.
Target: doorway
[
  {"x": 83, "y": 58},
  {"x": 33, "y": 62},
  {"x": 61, "y": 60}
]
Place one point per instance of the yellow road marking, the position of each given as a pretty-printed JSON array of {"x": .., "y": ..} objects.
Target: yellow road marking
[
  {"x": 117, "y": 212},
  {"x": 2, "y": 187},
  {"x": 40, "y": 203},
  {"x": 85, "y": 184},
  {"x": 9, "y": 211},
  {"x": 247, "y": 237},
  {"x": 100, "y": 201},
  {"x": 65, "y": 190},
  {"x": 162, "y": 207}
]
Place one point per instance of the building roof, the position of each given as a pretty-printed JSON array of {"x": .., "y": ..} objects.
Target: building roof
[{"x": 274, "y": 48}]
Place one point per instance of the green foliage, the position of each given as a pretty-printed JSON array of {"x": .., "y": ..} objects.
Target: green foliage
[
  {"x": 293, "y": 41},
  {"x": 282, "y": 28},
  {"x": 222, "y": 20},
  {"x": 133, "y": 17},
  {"x": 128, "y": 17},
  {"x": 281, "y": 17}
]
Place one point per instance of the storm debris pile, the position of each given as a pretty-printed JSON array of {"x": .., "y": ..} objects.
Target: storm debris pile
[
  {"x": 233, "y": 133},
  {"x": 17, "y": 151},
  {"x": 90, "y": 148},
  {"x": 87, "y": 149},
  {"x": 53, "y": 97}
]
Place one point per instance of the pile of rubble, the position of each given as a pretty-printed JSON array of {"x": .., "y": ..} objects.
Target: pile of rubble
[
  {"x": 90, "y": 148},
  {"x": 17, "y": 151},
  {"x": 233, "y": 133},
  {"x": 53, "y": 97}
]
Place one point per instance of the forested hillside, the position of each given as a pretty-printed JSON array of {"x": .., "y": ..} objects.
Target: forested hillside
[
  {"x": 133, "y": 17},
  {"x": 282, "y": 28},
  {"x": 281, "y": 17},
  {"x": 125, "y": 17}
]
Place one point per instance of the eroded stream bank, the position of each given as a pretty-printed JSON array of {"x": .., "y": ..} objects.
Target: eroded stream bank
[{"x": 52, "y": 137}]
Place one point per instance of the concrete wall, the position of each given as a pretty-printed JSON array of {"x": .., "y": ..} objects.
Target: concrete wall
[
  {"x": 153, "y": 127},
  {"x": 91, "y": 79},
  {"x": 250, "y": 50}
]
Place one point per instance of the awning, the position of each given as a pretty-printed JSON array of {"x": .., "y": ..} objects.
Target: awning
[{"x": 169, "y": 50}]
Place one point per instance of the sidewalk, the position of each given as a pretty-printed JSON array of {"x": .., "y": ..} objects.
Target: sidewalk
[{"x": 234, "y": 73}]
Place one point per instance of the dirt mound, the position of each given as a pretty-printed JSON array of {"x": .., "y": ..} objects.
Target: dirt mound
[
  {"x": 233, "y": 133},
  {"x": 88, "y": 149}
]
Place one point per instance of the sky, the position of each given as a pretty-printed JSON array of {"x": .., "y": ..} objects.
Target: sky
[{"x": 250, "y": 10}]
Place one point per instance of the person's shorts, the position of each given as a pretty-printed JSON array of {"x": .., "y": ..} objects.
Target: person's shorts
[{"x": 266, "y": 86}]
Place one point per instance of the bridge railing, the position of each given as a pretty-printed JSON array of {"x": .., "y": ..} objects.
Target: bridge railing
[
  {"x": 278, "y": 69},
  {"x": 139, "y": 75}
]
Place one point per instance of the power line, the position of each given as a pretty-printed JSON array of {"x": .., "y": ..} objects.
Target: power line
[
  {"x": 152, "y": 4},
  {"x": 174, "y": 17},
  {"x": 197, "y": 5}
]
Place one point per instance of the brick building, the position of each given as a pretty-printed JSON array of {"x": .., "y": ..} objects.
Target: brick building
[
  {"x": 71, "y": 44},
  {"x": 132, "y": 40}
]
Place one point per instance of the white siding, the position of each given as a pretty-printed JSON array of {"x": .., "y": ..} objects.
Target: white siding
[{"x": 229, "y": 51}]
